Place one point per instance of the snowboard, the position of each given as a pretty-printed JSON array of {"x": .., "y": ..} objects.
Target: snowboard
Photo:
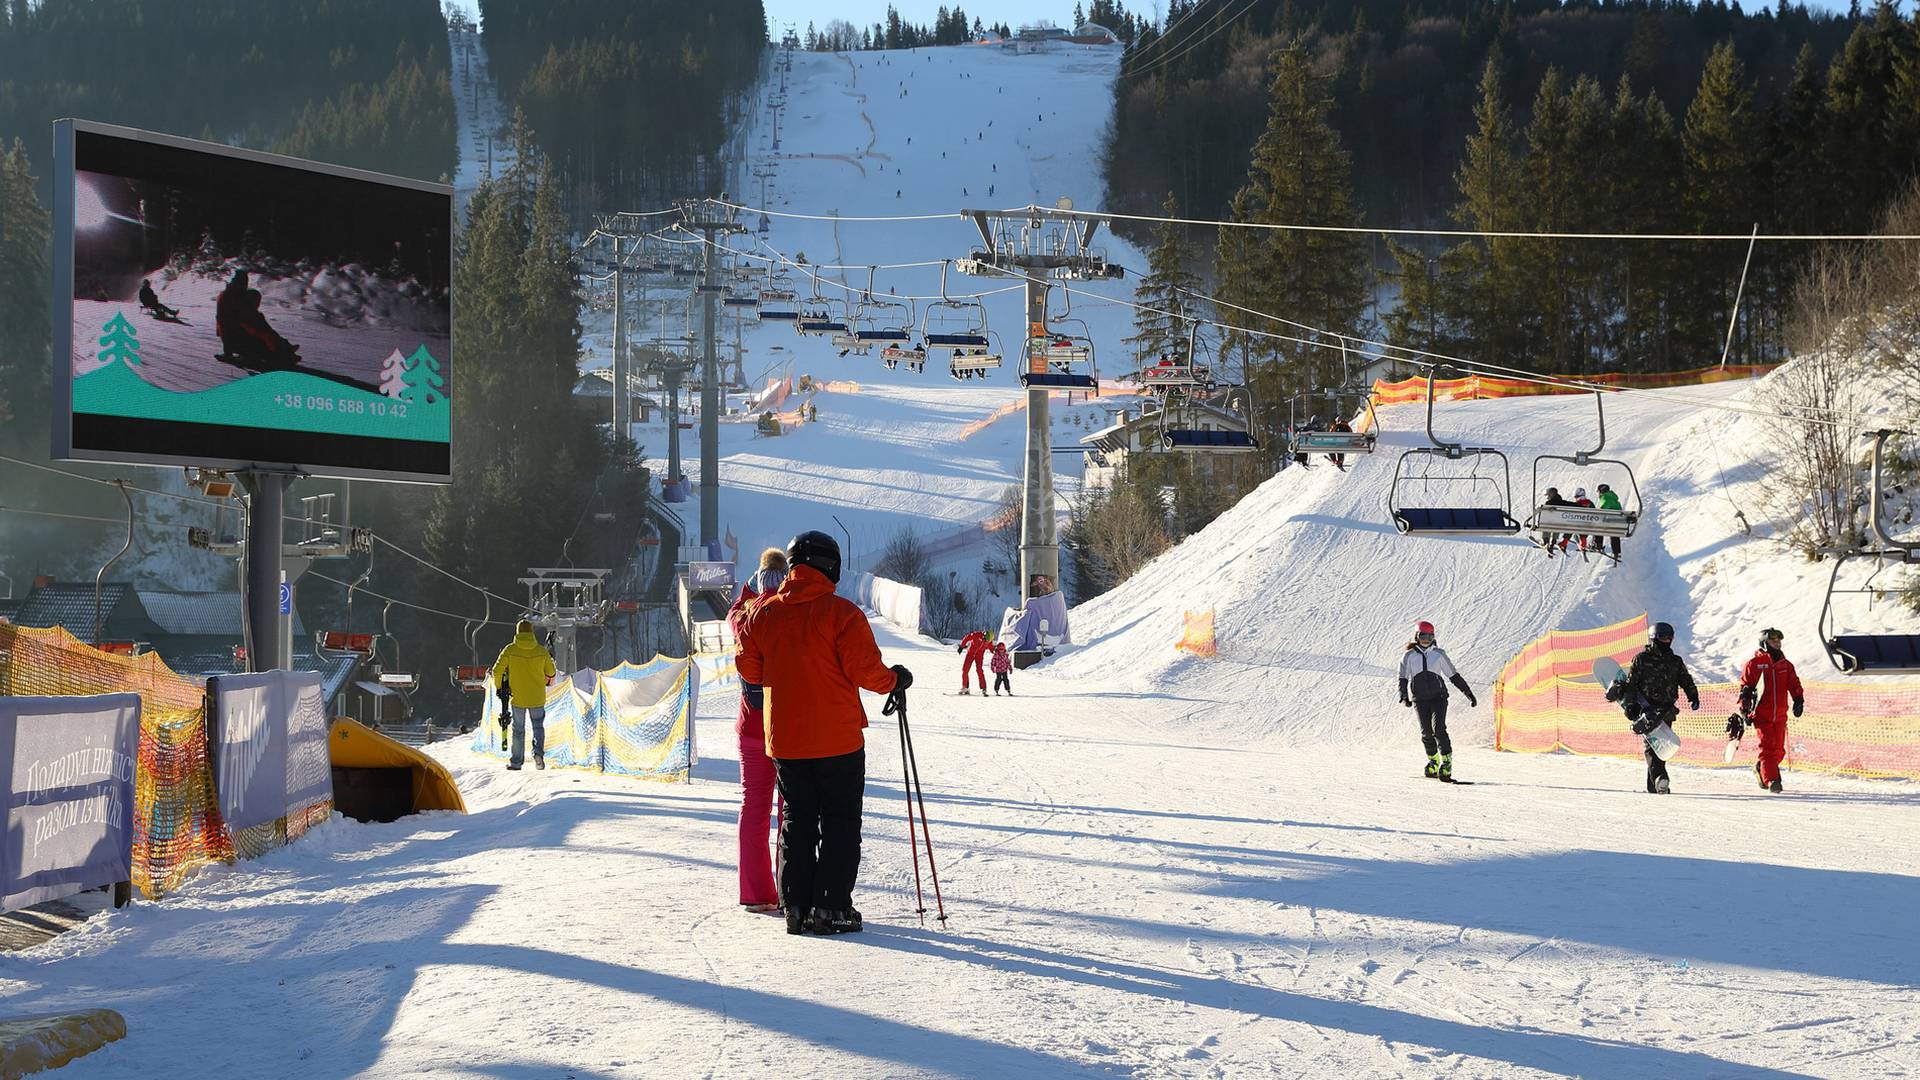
[{"x": 1661, "y": 740}]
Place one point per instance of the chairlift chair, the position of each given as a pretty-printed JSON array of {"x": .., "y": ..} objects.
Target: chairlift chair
[
  {"x": 1550, "y": 521},
  {"x": 1455, "y": 518},
  {"x": 965, "y": 364},
  {"x": 948, "y": 323},
  {"x": 886, "y": 322},
  {"x": 1179, "y": 373},
  {"x": 1871, "y": 654},
  {"x": 1188, "y": 436},
  {"x": 1327, "y": 439}
]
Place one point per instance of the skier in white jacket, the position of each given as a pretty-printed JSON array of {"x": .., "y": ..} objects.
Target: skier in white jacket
[{"x": 1425, "y": 670}]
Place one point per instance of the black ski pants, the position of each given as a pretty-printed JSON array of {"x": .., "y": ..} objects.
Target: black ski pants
[
  {"x": 1656, "y": 769},
  {"x": 1000, "y": 683},
  {"x": 820, "y": 829},
  {"x": 1433, "y": 725}
]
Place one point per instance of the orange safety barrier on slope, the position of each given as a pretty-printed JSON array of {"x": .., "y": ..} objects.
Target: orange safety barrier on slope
[
  {"x": 1196, "y": 634},
  {"x": 177, "y": 824},
  {"x": 1480, "y": 387},
  {"x": 1546, "y": 700}
]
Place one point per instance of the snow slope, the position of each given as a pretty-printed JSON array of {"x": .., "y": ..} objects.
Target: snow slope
[
  {"x": 1125, "y": 901},
  {"x": 938, "y": 126},
  {"x": 1315, "y": 594}
]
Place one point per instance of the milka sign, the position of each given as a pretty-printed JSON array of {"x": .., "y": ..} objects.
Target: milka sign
[{"x": 69, "y": 807}]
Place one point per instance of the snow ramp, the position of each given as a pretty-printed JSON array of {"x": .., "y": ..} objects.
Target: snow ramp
[{"x": 1315, "y": 593}]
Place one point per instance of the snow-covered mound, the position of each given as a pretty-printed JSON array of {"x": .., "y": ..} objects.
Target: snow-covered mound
[{"x": 1315, "y": 594}]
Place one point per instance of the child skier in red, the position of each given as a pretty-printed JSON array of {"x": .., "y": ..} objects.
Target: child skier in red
[
  {"x": 1002, "y": 667},
  {"x": 1782, "y": 685},
  {"x": 974, "y": 649}
]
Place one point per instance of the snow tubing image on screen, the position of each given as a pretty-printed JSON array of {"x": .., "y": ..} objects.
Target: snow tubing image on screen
[{"x": 378, "y": 779}]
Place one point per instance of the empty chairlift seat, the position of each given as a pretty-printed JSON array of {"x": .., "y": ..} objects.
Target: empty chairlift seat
[
  {"x": 1454, "y": 521},
  {"x": 1211, "y": 441},
  {"x": 1875, "y": 654}
]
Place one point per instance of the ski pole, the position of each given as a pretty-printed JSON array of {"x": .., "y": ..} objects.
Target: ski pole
[
  {"x": 919, "y": 793},
  {"x": 897, "y": 705}
]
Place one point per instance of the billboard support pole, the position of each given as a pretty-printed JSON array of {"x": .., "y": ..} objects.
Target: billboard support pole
[{"x": 266, "y": 534}]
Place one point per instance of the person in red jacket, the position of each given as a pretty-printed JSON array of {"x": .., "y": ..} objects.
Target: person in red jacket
[
  {"x": 758, "y": 891},
  {"x": 1767, "y": 685},
  {"x": 974, "y": 646},
  {"x": 812, "y": 652}
]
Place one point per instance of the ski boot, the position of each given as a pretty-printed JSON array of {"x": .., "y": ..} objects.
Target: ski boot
[
  {"x": 797, "y": 921},
  {"x": 540, "y": 762},
  {"x": 1776, "y": 787},
  {"x": 1662, "y": 786},
  {"x": 964, "y": 692},
  {"x": 846, "y": 921},
  {"x": 1433, "y": 766},
  {"x": 1446, "y": 767},
  {"x": 1759, "y": 777}
]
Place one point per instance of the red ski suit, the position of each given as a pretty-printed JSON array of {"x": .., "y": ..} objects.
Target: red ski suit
[
  {"x": 1779, "y": 688},
  {"x": 974, "y": 645}
]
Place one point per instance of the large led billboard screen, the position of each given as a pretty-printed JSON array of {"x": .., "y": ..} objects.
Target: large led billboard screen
[{"x": 226, "y": 308}]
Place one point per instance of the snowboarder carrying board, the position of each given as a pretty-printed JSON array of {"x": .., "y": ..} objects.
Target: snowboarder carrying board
[
  {"x": 1650, "y": 695},
  {"x": 1767, "y": 685},
  {"x": 1425, "y": 670}
]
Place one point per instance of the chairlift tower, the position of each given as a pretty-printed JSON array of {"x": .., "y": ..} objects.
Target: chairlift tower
[
  {"x": 562, "y": 600},
  {"x": 1037, "y": 245},
  {"x": 714, "y": 220}
]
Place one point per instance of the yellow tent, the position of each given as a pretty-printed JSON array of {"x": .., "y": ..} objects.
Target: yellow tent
[{"x": 368, "y": 780}]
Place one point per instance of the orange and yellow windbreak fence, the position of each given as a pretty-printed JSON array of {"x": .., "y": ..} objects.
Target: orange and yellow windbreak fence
[
  {"x": 1477, "y": 387},
  {"x": 1546, "y": 700},
  {"x": 176, "y": 822}
]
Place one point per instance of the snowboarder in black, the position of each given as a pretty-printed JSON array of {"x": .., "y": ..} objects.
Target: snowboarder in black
[
  {"x": 150, "y": 301},
  {"x": 1650, "y": 695},
  {"x": 1425, "y": 670}
]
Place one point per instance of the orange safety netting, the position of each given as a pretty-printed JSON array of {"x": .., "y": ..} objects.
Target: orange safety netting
[
  {"x": 1546, "y": 699},
  {"x": 1196, "y": 635},
  {"x": 176, "y": 823},
  {"x": 1477, "y": 387}
]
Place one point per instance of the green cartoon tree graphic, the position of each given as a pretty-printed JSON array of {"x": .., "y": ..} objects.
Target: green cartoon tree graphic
[
  {"x": 423, "y": 383},
  {"x": 119, "y": 342}
]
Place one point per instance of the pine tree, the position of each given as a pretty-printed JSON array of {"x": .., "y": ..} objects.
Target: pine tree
[
  {"x": 424, "y": 385},
  {"x": 1300, "y": 175},
  {"x": 393, "y": 374},
  {"x": 1170, "y": 286},
  {"x": 1720, "y": 146},
  {"x": 118, "y": 341},
  {"x": 1486, "y": 282}
]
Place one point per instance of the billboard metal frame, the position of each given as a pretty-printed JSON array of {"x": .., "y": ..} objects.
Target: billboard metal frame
[{"x": 61, "y": 308}]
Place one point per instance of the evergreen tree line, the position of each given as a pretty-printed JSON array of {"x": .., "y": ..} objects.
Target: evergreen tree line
[
  {"x": 1404, "y": 79},
  {"x": 296, "y": 77},
  {"x": 632, "y": 99},
  {"x": 950, "y": 27},
  {"x": 1823, "y": 153}
]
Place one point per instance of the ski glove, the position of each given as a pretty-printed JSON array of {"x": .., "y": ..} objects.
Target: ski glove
[
  {"x": 1404, "y": 699},
  {"x": 1746, "y": 699},
  {"x": 1693, "y": 702},
  {"x": 902, "y": 678},
  {"x": 1799, "y": 705},
  {"x": 1736, "y": 727},
  {"x": 1461, "y": 684}
]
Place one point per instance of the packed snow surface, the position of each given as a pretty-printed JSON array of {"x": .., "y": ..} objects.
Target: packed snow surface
[{"x": 1126, "y": 899}]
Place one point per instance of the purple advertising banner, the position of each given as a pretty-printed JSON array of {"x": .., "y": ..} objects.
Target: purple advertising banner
[
  {"x": 69, "y": 763},
  {"x": 269, "y": 745}
]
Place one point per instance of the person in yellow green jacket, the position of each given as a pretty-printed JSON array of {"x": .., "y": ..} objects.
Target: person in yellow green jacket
[{"x": 526, "y": 670}]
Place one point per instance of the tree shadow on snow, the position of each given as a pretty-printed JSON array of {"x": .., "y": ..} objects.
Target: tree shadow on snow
[
  {"x": 1548, "y": 1051},
  {"x": 1659, "y": 905}
]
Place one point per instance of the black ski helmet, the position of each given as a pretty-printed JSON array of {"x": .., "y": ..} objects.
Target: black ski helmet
[
  {"x": 1769, "y": 635},
  {"x": 1662, "y": 632},
  {"x": 818, "y": 550}
]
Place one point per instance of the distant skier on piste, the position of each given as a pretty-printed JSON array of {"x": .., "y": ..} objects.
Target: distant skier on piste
[
  {"x": 1425, "y": 670},
  {"x": 1767, "y": 685},
  {"x": 812, "y": 652},
  {"x": 1650, "y": 695},
  {"x": 974, "y": 647}
]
